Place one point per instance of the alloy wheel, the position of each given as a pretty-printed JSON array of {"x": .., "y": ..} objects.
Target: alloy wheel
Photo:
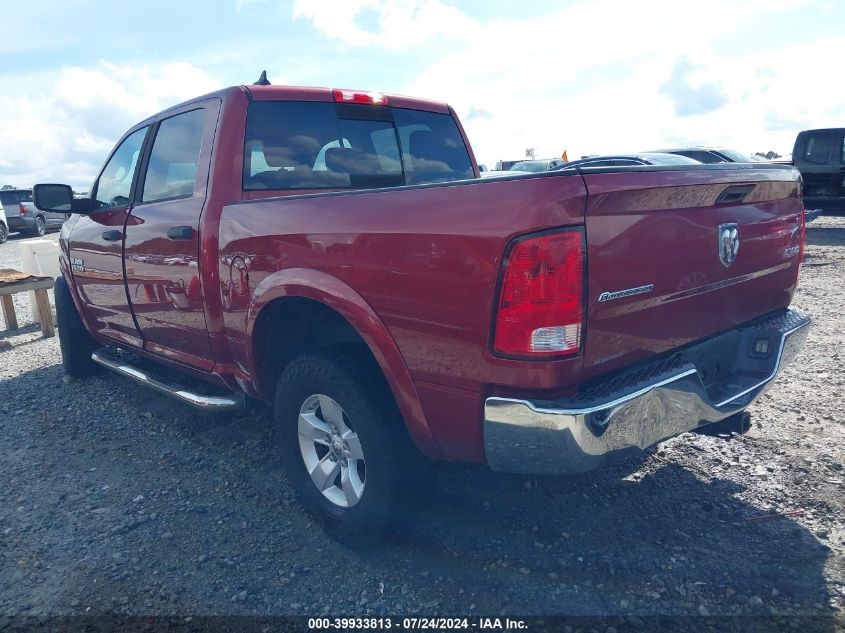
[{"x": 331, "y": 451}]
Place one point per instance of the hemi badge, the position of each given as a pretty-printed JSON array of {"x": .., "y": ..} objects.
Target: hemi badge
[{"x": 608, "y": 296}]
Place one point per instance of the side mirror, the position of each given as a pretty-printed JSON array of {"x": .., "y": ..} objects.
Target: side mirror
[{"x": 58, "y": 199}]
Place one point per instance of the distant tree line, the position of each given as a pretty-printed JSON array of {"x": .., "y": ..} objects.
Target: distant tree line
[
  {"x": 770, "y": 155},
  {"x": 75, "y": 192}
]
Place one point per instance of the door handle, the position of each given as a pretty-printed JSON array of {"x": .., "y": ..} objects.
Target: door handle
[
  {"x": 112, "y": 236},
  {"x": 180, "y": 233}
]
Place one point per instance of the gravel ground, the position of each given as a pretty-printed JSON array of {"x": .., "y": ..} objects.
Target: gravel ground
[{"x": 119, "y": 501}]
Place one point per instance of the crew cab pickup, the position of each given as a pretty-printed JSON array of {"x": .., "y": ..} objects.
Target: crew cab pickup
[
  {"x": 335, "y": 255},
  {"x": 820, "y": 157}
]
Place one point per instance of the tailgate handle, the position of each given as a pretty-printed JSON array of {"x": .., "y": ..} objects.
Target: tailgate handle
[{"x": 734, "y": 193}]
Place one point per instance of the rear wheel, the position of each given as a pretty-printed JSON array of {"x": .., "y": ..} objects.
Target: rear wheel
[
  {"x": 4, "y": 233},
  {"x": 40, "y": 226},
  {"x": 74, "y": 340},
  {"x": 343, "y": 444}
]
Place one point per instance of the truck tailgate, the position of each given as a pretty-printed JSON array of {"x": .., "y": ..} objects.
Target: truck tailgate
[{"x": 674, "y": 257}]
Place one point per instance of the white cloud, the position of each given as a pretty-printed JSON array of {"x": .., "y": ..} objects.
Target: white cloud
[
  {"x": 690, "y": 93},
  {"x": 60, "y": 126},
  {"x": 240, "y": 4},
  {"x": 394, "y": 24},
  {"x": 589, "y": 77},
  {"x": 575, "y": 79}
]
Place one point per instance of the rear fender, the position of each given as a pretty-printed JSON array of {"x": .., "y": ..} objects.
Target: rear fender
[{"x": 333, "y": 293}]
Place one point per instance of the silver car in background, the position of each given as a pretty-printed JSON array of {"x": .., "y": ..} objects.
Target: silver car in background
[
  {"x": 22, "y": 216},
  {"x": 629, "y": 160}
]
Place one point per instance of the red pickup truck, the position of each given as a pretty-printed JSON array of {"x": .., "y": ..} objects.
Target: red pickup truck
[{"x": 333, "y": 253}]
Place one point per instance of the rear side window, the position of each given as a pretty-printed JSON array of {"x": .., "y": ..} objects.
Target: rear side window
[
  {"x": 172, "y": 169},
  {"x": 817, "y": 148},
  {"x": 308, "y": 145}
]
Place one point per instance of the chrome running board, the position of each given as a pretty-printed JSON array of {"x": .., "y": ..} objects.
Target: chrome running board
[{"x": 199, "y": 401}]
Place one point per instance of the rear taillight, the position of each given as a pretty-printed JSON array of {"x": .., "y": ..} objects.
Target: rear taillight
[
  {"x": 22, "y": 209},
  {"x": 540, "y": 307}
]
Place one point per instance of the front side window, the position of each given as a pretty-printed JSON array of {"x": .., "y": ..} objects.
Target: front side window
[
  {"x": 172, "y": 169},
  {"x": 115, "y": 183},
  {"x": 817, "y": 148},
  {"x": 296, "y": 145}
]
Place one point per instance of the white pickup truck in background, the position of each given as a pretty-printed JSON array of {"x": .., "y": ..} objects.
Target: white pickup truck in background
[{"x": 4, "y": 225}]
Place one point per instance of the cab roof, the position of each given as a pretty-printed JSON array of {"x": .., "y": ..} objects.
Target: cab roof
[
  {"x": 300, "y": 93},
  {"x": 307, "y": 93}
]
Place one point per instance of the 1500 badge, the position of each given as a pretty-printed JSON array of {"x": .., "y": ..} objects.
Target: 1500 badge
[{"x": 77, "y": 265}]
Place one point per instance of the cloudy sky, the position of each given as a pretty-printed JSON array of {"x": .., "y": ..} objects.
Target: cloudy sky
[{"x": 591, "y": 76}]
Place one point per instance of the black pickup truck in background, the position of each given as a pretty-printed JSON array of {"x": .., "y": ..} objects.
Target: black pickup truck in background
[{"x": 820, "y": 157}]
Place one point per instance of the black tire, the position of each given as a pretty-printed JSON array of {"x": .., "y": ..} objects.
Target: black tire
[
  {"x": 4, "y": 233},
  {"x": 74, "y": 340},
  {"x": 40, "y": 226},
  {"x": 393, "y": 466}
]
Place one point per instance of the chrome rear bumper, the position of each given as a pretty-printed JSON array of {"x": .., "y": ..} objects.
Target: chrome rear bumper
[{"x": 642, "y": 406}]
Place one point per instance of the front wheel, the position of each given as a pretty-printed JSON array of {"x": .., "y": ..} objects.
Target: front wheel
[
  {"x": 343, "y": 444},
  {"x": 4, "y": 233},
  {"x": 75, "y": 342}
]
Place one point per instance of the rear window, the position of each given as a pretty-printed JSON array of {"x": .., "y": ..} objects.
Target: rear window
[
  {"x": 597, "y": 163},
  {"x": 701, "y": 156},
  {"x": 736, "y": 157},
  {"x": 308, "y": 145},
  {"x": 529, "y": 165},
  {"x": 669, "y": 159},
  {"x": 12, "y": 198},
  {"x": 817, "y": 148}
]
